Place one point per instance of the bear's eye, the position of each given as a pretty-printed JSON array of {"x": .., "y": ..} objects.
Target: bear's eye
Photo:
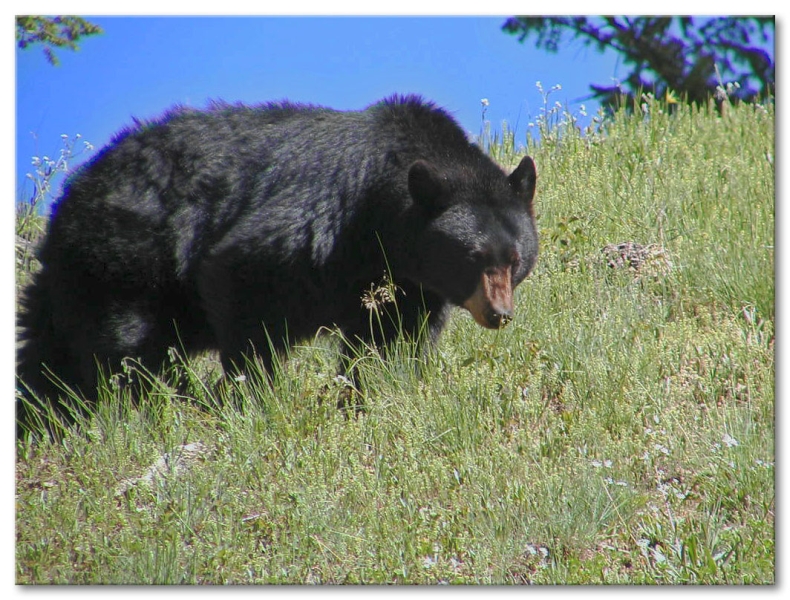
[{"x": 480, "y": 257}]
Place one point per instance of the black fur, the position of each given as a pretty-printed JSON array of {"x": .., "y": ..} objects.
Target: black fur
[{"x": 217, "y": 223}]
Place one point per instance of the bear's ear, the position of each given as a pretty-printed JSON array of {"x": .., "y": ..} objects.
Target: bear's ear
[
  {"x": 523, "y": 180},
  {"x": 425, "y": 185}
]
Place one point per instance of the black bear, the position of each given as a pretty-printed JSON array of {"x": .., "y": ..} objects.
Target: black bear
[{"x": 245, "y": 228}]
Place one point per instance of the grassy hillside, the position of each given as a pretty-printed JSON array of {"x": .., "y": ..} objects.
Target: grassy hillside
[{"x": 620, "y": 430}]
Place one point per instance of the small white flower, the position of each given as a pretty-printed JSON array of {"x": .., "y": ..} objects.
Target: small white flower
[
  {"x": 662, "y": 449},
  {"x": 484, "y": 101},
  {"x": 342, "y": 380},
  {"x": 610, "y": 481},
  {"x": 729, "y": 441}
]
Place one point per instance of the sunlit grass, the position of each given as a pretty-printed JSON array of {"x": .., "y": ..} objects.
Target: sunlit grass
[{"x": 620, "y": 430}]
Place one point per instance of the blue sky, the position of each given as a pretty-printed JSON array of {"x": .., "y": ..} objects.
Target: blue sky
[{"x": 141, "y": 66}]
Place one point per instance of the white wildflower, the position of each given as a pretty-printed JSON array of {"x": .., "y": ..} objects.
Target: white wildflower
[
  {"x": 729, "y": 441},
  {"x": 662, "y": 449},
  {"x": 428, "y": 562}
]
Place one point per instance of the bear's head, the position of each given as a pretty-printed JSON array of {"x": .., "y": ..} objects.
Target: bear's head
[{"x": 478, "y": 239}]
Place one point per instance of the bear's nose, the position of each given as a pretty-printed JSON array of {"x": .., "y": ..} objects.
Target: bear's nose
[{"x": 499, "y": 319}]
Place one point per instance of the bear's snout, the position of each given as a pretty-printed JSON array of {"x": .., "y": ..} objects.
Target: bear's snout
[
  {"x": 498, "y": 320},
  {"x": 491, "y": 304}
]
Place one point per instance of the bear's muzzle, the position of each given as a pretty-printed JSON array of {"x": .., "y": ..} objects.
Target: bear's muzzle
[{"x": 491, "y": 304}]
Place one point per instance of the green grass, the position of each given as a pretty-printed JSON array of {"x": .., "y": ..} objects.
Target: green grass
[{"x": 620, "y": 430}]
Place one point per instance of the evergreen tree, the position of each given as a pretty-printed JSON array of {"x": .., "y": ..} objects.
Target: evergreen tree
[
  {"x": 689, "y": 58},
  {"x": 58, "y": 32}
]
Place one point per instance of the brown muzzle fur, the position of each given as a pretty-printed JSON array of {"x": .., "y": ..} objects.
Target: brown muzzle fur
[{"x": 491, "y": 304}]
